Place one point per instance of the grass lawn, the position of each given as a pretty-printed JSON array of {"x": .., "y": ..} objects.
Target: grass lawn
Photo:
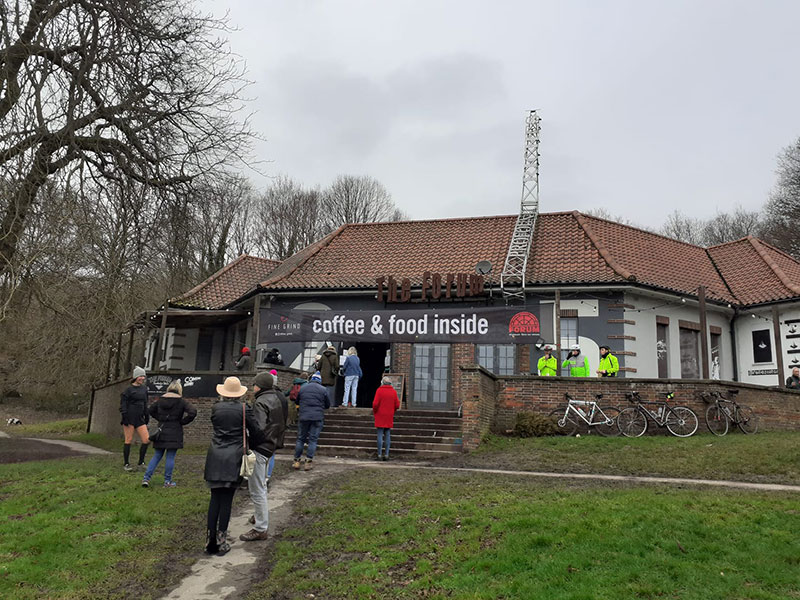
[
  {"x": 83, "y": 528},
  {"x": 411, "y": 534},
  {"x": 764, "y": 457}
]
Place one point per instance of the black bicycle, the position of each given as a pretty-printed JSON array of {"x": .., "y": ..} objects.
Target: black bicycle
[
  {"x": 723, "y": 411},
  {"x": 680, "y": 421}
]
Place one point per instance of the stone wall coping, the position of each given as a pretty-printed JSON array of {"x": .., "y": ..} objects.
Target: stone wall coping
[{"x": 631, "y": 382}]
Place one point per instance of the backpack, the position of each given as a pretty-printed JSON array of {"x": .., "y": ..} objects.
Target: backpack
[{"x": 294, "y": 391}]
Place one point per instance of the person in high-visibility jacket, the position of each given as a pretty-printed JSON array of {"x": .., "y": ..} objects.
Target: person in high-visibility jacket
[
  {"x": 548, "y": 365},
  {"x": 609, "y": 365},
  {"x": 578, "y": 365}
]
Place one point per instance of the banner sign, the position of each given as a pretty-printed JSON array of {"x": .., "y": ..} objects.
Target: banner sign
[
  {"x": 480, "y": 325},
  {"x": 194, "y": 386}
]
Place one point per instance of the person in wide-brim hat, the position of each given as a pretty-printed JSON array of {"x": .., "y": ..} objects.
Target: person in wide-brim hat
[
  {"x": 231, "y": 388},
  {"x": 224, "y": 459}
]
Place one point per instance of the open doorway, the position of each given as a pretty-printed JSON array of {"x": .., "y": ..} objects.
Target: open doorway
[{"x": 372, "y": 358}]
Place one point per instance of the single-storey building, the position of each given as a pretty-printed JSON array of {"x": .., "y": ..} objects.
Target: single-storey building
[{"x": 422, "y": 299}]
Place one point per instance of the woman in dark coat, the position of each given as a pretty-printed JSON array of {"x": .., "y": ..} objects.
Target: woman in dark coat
[
  {"x": 172, "y": 412},
  {"x": 224, "y": 459},
  {"x": 134, "y": 416}
]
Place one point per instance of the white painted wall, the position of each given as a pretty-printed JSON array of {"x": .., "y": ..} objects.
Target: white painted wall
[
  {"x": 746, "y": 323},
  {"x": 644, "y": 314}
]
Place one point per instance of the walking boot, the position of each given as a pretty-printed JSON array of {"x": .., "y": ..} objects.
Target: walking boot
[
  {"x": 211, "y": 542},
  {"x": 222, "y": 543},
  {"x": 309, "y": 465}
]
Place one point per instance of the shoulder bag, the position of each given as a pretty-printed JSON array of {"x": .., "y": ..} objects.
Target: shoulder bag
[{"x": 248, "y": 456}]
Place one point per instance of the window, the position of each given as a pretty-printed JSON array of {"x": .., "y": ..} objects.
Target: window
[
  {"x": 205, "y": 343},
  {"x": 569, "y": 337},
  {"x": 716, "y": 355},
  {"x": 662, "y": 349},
  {"x": 431, "y": 374},
  {"x": 690, "y": 353},
  {"x": 498, "y": 358},
  {"x": 309, "y": 355},
  {"x": 762, "y": 346}
]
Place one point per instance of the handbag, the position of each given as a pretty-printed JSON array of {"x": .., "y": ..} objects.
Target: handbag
[
  {"x": 154, "y": 432},
  {"x": 248, "y": 456}
]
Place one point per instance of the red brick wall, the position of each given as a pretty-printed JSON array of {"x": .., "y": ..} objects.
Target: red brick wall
[
  {"x": 401, "y": 363},
  {"x": 460, "y": 355},
  {"x": 778, "y": 409}
]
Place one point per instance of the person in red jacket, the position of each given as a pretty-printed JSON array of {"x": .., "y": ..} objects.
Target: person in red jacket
[{"x": 383, "y": 407}]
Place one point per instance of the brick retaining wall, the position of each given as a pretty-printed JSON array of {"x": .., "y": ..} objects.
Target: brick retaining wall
[
  {"x": 497, "y": 399},
  {"x": 104, "y": 413}
]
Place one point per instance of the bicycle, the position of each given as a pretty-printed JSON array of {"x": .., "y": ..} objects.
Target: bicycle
[
  {"x": 680, "y": 421},
  {"x": 723, "y": 411},
  {"x": 568, "y": 417}
]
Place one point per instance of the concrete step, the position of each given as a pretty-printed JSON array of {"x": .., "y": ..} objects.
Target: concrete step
[
  {"x": 335, "y": 450},
  {"x": 340, "y": 435},
  {"x": 400, "y": 423},
  {"x": 324, "y": 441},
  {"x": 428, "y": 414}
]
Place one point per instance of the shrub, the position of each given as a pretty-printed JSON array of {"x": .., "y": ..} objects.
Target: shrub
[{"x": 530, "y": 424}]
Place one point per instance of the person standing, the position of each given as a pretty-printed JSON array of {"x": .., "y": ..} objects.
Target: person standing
[
  {"x": 793, "y": 382},
  {"x": 313, "y": 401},
  {"x": 578, "y": 365},
  {"x": 172, "y": 412},
  {"x": 269, "y": 415},
  {"x": 609, "y": 365},
  {"x": 245, "y": 361},
  {"x": 133, "y": 408},
  {"x": 230, "y": 417},
  {"x": 328, "y": 371},
  {"x": 352, "y": 374},
  {"x": 548, "y": 365},
  {"x": 384, "y": 406}
]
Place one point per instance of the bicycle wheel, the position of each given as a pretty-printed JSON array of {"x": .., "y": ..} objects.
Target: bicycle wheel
[
  {"x": 716, "y": 420},
  {"x": 746, "y": 419},
  {"x": 609, "y": 428},
  {"x": 681, "y": 421},
  {"x": 567, "y": 425},
  {"x": 631, "y": 422}
]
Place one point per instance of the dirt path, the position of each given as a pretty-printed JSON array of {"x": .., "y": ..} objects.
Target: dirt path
[
  {"x": 215, "y": 577},
  {"x": 16, "y": 450}
]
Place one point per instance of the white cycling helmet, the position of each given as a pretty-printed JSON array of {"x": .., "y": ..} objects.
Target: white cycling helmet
[{"x": 575, "y": 347}]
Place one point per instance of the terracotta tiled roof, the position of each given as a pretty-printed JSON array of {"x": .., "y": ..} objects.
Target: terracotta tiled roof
[
  {"x": 756, "y": 272},
  {"x": 228, "y": 284},
  {"x": 568, "y": 248},
  {"x": 658, "y": 261}
]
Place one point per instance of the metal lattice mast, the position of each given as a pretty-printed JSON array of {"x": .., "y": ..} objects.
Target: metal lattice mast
[{"x": 512, "y": 279}]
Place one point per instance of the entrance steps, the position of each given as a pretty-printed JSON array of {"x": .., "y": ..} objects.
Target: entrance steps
[{"x": 416, "y": 433}]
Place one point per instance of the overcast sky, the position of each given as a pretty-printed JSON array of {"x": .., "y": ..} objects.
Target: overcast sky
[{"x": 646, "y": 106}]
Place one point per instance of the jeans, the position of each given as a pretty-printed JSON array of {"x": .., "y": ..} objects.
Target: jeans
[
  {"x": 168, "y": 465},
  {"x": 350, "y": 383},
  {"x": 387, "y": 432},
  {"x": 307, "y": 431},
  {"x": 270, "y": 465},
  {"x": 257, "y": 486}
]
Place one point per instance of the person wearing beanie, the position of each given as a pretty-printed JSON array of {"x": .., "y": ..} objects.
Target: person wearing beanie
[
  {"x": 172, "y": 412},
  {"x": 245, "y": 361},
  {"x": 312, "y": 401},
  {"x": 133, "y": 410},
  {"x": 269, "y": 415}
]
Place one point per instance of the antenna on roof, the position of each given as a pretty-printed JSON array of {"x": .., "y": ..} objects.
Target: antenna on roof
[{"x": 519, "y": 248}]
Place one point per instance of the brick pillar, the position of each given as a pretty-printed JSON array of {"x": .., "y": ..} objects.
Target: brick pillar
[
  {"x": 462, "y": 355},
  {"x": 523, "y": 359},
  {"x": 401, "y": 363}
]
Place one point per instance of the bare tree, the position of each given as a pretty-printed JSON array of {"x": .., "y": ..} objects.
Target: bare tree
[
  {"x": 726, "y": 227},
  {"x": 137, "y": 90},
  {"x": 287, "y": 218},
  {"x": 353, "y": 199},
  {"x": 686, "y": 229},
  {"x": 783, "y": 207}
]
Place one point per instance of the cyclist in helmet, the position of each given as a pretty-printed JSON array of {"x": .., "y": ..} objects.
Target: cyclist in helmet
[{"x": 577, "y": 363}]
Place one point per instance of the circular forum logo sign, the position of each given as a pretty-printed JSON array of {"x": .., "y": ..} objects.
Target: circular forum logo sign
[{"x": 523, "y": 323}]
